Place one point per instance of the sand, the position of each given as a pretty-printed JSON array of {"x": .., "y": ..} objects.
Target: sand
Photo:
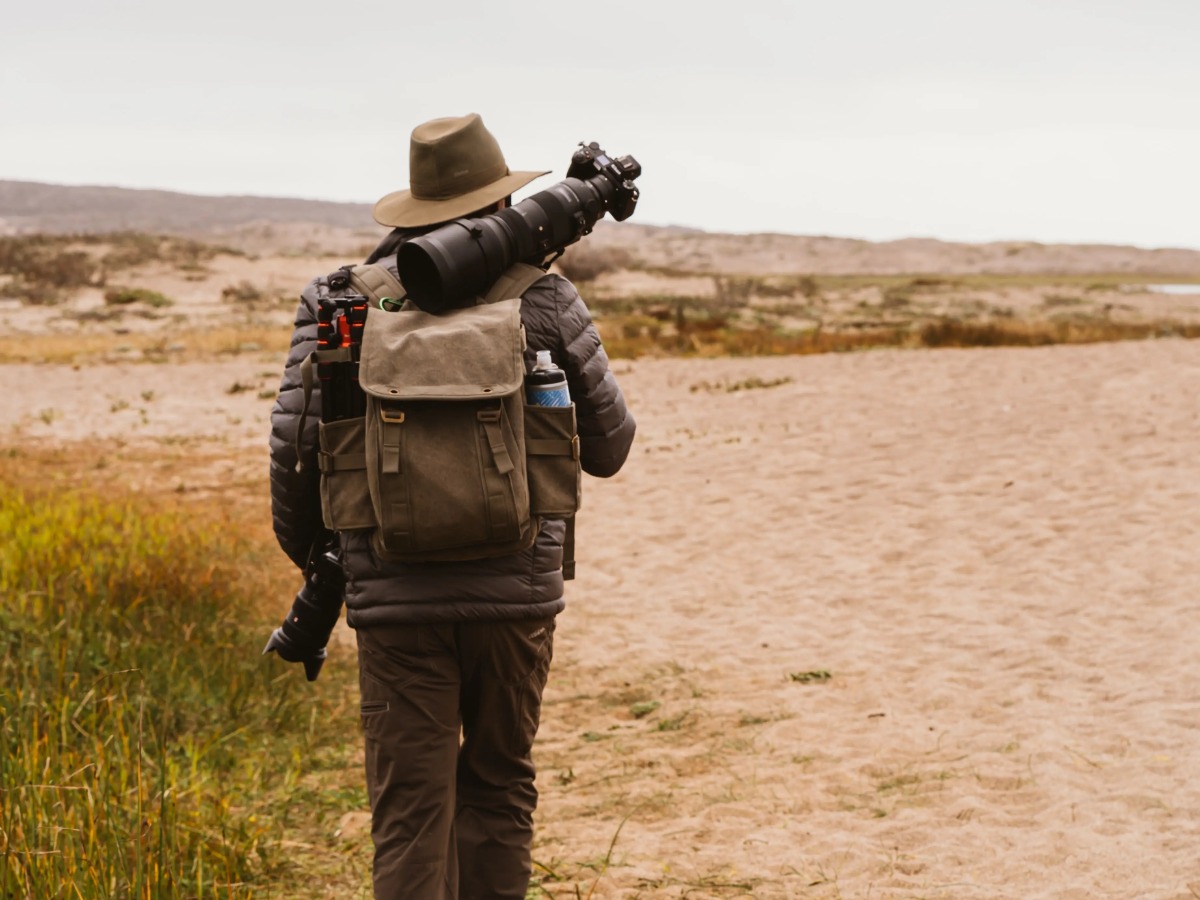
[{"x": 917, "y": 623}]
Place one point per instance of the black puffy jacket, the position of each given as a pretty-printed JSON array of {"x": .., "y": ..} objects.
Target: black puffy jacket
[{"x": 524, "y": 585}]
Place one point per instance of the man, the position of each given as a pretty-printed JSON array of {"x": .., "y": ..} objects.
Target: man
[{"x": 462, "y": 647}]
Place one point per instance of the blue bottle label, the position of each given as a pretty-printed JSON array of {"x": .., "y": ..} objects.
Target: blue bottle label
[{"x": 548, "y": 395}]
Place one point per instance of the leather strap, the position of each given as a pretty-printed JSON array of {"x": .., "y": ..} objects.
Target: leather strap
[
  {"x": 376, "y": 282},
  {"x": 514, "y": 282},
  {"x": 490, "y": 419},
  {"x": 568, "y": 566},
  {"x": 330, "y": 463},
  {"x": 550, "y": 447}
]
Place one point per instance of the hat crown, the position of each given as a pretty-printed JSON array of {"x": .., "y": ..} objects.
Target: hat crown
[
  {"x": 455, "y": 168},
  {"x": 453, "y": 156}
]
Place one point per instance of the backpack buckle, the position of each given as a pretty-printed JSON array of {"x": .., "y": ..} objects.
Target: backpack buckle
[
  {"x": 489, "y": 415},
  {"x": 393, "y": 416}
]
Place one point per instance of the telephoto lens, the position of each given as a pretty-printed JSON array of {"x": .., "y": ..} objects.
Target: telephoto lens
[
  {"x": 458, "y": 261},
  {"x": 306, "y": 628}
]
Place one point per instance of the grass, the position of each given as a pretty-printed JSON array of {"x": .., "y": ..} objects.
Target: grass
[
  {"x": 124, "y": 296},
  {"x": 159, "y": 346},
  {"x": 146, "y": 748},
  {"x": 44, "y": 269},
  {"x": 814, "y": 676},
  {"x": 723, "y": 339},
  {"x": 742, "y": 314}
]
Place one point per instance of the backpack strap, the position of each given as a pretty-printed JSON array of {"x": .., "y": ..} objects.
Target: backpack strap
[
  {"x": 376, "y": 282},
  {"x": 568, "y": 565},
  {"x": 516, "y": 280}
]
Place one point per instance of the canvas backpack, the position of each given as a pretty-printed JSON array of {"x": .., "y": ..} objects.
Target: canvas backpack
[{"x": 449, "y": 461}]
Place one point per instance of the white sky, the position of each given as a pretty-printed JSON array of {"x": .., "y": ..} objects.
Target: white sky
[{"x": 1048, "y": 120}]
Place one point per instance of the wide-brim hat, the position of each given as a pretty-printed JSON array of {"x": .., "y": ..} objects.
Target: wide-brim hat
[{"x": 455, "y": 167}]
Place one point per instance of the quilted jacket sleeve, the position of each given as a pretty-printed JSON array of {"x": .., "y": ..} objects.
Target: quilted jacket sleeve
[
  {"x": 295, "y": 494},
  {"x": 606, "y": 426}
]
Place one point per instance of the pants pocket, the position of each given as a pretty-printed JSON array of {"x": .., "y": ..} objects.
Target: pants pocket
[{"x": 523, "y": 648}]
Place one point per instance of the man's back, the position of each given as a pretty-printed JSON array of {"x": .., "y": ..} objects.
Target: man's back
[{"x": 453, "y": 655}]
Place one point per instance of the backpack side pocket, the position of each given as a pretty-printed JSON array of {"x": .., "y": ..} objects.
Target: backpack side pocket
[
  {"x": 345, "y": 497},
  {"x": 552, "y": 459}
]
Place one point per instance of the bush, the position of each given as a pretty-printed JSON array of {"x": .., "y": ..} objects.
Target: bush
[
  {"x": 586, "y": 262},
  {"x": 242, "y": 292},
  {"x": 43, "y": 270},
  {"x": 124, "y": 296}
]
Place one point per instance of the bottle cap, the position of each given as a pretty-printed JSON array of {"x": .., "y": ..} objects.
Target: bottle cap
[{"x": 543, "y": 360}]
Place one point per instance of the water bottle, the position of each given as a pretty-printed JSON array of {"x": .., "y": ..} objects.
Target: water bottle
[{"x": 546, "y": 385}]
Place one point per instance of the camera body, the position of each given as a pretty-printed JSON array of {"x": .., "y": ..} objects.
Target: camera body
[
  {"x": 306, "y": 628},
  {"x": 589, "y": 161},
  {"x": 452, "y": 264}
]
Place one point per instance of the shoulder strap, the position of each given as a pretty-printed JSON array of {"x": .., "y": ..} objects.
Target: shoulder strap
[
  {"x": 568, "y": 566},
  {"x": 516, "y": 280},
  {"x": 376, "y": 281}
]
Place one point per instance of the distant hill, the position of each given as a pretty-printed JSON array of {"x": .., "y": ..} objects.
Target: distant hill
[
  {"x": 699, "y": 252},
  {"x": 311, "y": 227},
  {"x": 27, "y": 206}
]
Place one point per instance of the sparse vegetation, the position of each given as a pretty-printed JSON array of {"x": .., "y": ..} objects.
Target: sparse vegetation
[
  {"x": 738, "y": 314},
  {"x": 813, "y": 676},
  {"x": 125, "y": 296},
  {"x": 146, "y": 749},
  {"x": 44, "y": 269},
  {"x": 245, "y": 293},
  {"x": 584, "y": 262},
  {"x": 152, "y": 347},
  {"x": 644, "y": 708},
  {"x": 746, "y": 384},
  {"x": 629, "y": 337}
]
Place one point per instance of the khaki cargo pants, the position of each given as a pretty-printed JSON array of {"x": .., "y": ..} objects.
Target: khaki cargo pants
[{"x": 451, "y": 819}]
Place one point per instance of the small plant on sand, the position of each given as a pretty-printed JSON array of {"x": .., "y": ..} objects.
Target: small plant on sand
[
  {"x": 643, "y": 709},
  {"x": 813, "y": 676},
  {"x": 125, "y": 296},
  {"x": 746, "y": 384}
]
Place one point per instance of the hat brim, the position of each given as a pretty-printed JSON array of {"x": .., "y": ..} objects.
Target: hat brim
[{"x": 400, "y": 209}]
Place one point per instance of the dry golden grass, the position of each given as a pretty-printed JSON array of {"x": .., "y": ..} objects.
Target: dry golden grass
[
  {"x": 124, "y": 592},
  {"x": 159, "y": 346},
  {"x": 630, "y": 337}
]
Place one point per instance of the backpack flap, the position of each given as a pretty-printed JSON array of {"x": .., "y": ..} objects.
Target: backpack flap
[
  {"x": 475, "y": 352},
  {"x": 445, "y": 442}
]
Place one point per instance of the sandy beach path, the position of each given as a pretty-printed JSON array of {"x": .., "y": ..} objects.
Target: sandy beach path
[
  {"x": 993, "y": 555},
  {"x": 903, "y": 624}
]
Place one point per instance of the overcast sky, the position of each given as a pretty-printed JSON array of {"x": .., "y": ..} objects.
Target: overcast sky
[{"x": 1047, "y": 120}]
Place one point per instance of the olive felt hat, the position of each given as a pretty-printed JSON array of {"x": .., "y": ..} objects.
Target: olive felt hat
[{"x": 455, "y": 168}]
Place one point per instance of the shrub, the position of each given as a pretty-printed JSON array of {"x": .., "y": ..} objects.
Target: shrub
[
  {"x": 124, "y": 296},
  {"x": 242, "y": 292},
  {"x": 584, "y": 261}
]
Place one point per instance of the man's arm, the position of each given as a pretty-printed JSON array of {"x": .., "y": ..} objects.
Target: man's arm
[
  {"x": 606, "y": 426},
  {"x": 295, "y": 494}
]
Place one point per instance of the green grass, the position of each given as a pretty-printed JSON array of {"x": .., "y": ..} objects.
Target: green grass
[
  {"x": 147, "y": 750},
  {"x": 124, "y": 296}
]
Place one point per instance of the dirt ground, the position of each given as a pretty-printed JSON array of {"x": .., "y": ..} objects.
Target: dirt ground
[
  {"x": 878, "y": 624},
  {"x": 891, "y": 623}
]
